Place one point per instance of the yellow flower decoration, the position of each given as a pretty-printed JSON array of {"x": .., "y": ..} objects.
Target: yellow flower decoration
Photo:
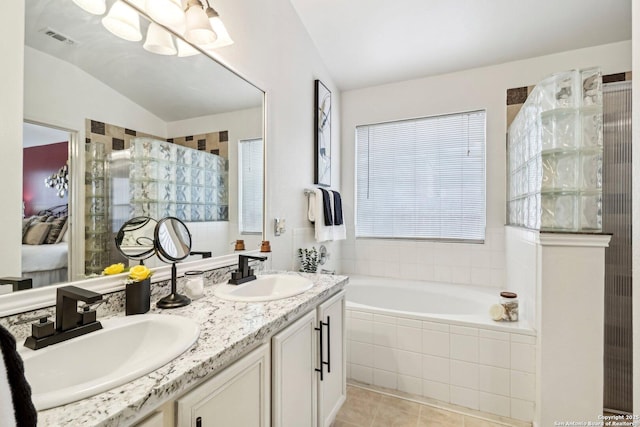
[
  {"x": 139, "y": 273},
  {"x": 114, "y": 269}
]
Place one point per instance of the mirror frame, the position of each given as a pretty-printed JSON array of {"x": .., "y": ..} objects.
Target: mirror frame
[
  {"x": 120, "y": 237},
  {"x": 38, "y": 298},
  {"x": 160, "y": 250}
]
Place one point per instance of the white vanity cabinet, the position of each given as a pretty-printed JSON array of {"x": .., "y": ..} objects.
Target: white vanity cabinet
[
  {"x": 294, "y": 379},
  {"x": 309, "y": 381},
  {"x": 332, "y": 388},
  {"x": 239, "y": 396}
]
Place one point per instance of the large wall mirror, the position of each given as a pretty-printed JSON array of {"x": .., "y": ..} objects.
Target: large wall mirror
[{"x": 147, "y": 135}]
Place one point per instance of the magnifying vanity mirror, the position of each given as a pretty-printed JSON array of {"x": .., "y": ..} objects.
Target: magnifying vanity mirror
[
  {"x": 150, "y": 136},
  {"x": 173, "y": 240},
  {"x": 173, "y": 244},
  {"x": 135, "y": 239}
]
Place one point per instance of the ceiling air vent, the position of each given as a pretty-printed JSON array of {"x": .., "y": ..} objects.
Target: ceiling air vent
[{"x": 57, "y": 36}]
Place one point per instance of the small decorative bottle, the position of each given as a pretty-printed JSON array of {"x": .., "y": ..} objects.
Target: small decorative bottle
[{"x": 509, "y": 300}]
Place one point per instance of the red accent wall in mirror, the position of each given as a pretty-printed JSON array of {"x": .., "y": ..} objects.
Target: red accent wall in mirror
[{"x": 37, "y": 164}]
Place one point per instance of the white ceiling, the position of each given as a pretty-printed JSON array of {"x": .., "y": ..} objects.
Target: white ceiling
[{"x": 370, "y": 42}]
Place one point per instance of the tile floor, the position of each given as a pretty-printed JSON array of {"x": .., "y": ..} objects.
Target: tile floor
[{"x": 365, "y": 408}]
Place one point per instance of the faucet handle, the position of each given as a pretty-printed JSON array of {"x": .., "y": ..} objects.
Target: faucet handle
[
  {"x": 43, "y": 328},
  {"x": 88, "y": 315},
  {"x": 91, "y": 306},
  {"x": 30, "y": 319}
]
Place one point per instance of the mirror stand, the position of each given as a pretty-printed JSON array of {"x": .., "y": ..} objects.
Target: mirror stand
[
  {"x": 174, "y": 299},
  {"x": 173, "y": 243}
]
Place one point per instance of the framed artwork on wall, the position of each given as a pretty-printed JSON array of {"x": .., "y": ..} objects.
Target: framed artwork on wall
[{"x": 322, "y": 137}]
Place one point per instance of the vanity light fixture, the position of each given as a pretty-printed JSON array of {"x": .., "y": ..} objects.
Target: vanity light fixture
[
  {"x": 197, "y": 20},
  {"x": 198, "y": 28},
  {"x": 159, "y": 41},
  {"x": 123, "y": 21},
  {"x": 95, "y": 7}
]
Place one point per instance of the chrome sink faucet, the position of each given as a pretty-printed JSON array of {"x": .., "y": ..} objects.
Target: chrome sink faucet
[
  {"x": 244, "y": 273},
  {"x": 69, "y": 322}
]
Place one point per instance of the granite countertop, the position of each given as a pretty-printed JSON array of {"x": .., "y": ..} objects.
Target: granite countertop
[{"x": 228, "y": 330}]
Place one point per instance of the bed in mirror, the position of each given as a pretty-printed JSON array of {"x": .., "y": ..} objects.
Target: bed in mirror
[
  {"x": 149, "y": 135},
  {"x": 45, "y": 205}
]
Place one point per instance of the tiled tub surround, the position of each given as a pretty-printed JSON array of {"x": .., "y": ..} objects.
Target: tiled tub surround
[
  {"x": 463, "y": 359},
  {"x": 460, "y": 263},
  {"x": 228, "y": 330}
]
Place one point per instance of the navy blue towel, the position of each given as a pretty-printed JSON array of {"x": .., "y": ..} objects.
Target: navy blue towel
[
  {"x": 24, "y": 411},
  {"x": 337, "y": 209},
  {"x": 326, "y": 204}
]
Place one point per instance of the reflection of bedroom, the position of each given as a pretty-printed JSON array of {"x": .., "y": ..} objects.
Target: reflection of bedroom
[{"x": 45, "y": 205}]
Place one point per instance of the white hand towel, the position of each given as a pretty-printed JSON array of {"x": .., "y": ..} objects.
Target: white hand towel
[
  {"x": 311, "y": 207},
  {"x": 323, "y": 233}
]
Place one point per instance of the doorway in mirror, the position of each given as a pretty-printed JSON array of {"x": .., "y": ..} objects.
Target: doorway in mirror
[{"x": 45, "y": 204}]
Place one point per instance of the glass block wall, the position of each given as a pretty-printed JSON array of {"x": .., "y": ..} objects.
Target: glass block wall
[
  {"x": 96, "y": 206},
  {"x": 171, "y": 180},
  {"x": 555, "y": 155}
]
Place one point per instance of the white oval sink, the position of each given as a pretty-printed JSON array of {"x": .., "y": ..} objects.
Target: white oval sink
[
  {"x": 125, "y": 349},
  {"x": 265, "y": 288}
]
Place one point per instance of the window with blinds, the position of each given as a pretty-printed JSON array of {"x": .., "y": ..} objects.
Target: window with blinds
[
  {"x": 422, "y": 178},
  {"x": 250, "y": 159}
]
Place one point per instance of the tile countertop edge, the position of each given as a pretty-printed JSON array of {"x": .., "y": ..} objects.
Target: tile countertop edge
[{"x": 124, "y": 405}]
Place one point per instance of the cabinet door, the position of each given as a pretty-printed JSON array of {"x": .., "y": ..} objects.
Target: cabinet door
[
  {"x": 332, "y": 388},
  {"x": 294, "y": 385},
  {"x": 154, "y": 420},
  {"x": 162, "y": 417},
  {"x": 236, "y": 397}
]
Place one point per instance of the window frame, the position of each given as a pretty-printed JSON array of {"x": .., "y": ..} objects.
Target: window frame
[
  {"x": 417, "y": 238},
  {"x": 241, "y": 191}
]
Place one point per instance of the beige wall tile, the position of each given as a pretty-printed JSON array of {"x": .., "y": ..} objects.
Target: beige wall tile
[
  {"x": 512, "y": 112},
  {"x": 114, "y": 131}
]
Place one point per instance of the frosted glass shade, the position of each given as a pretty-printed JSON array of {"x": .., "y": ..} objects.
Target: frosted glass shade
[
  {"x": 159, "y": 41},
  {"x": 199, "y": 29},
  {"x": 185, "y": 49},
  {"x": 166, "y": 12},
  {"x": 224, "y": 39},
  {"x": 123, "y": 21},
  {"x": 96, "y": 7}
]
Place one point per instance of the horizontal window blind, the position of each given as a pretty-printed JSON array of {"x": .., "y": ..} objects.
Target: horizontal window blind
[
  {"x": 250, "y": 154},
  {"x": 422, "y": 178}
]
